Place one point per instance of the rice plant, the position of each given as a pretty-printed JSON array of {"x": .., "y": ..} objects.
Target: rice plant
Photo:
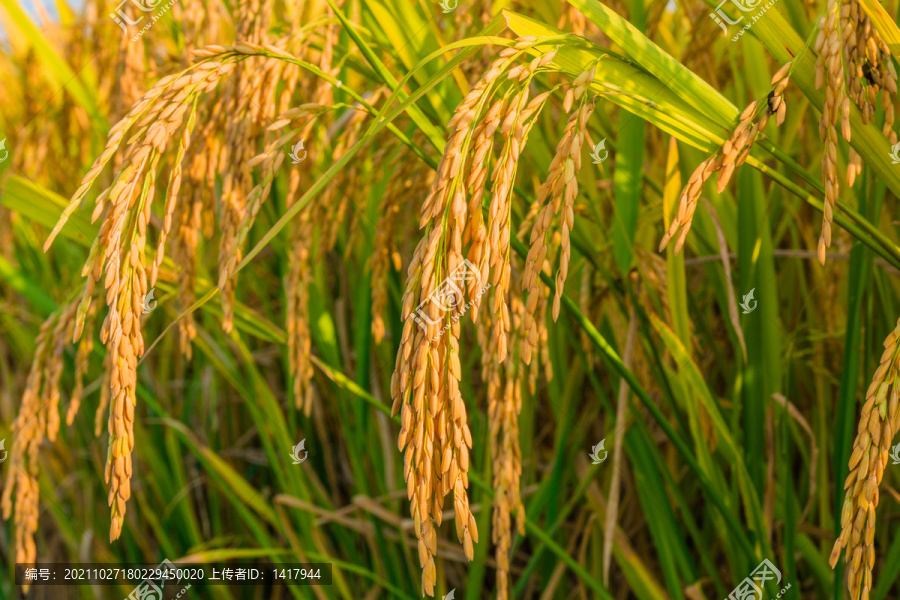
[{"x": 446, "y": 296}]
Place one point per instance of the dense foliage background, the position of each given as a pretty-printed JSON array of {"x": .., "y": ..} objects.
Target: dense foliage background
[{"x": 269, "y": 169}]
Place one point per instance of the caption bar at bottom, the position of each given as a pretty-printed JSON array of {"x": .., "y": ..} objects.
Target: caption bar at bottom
[{"x": 173, "y": 574}]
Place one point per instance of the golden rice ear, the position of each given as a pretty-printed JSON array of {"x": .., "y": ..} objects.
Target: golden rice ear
[
  {"x": 830, "y": 72},
  {"x": 434, "y": 412},
  {"x": 504, "y": 395},
  {"x": 436, "y": 434},
  {"x": 407, "y": 180},
  {"x": 38, "y": 418},
  {"x": 871, "y": 450},
  {"x": 561, "y": 188},
  {"x": 731, "y": 155}
]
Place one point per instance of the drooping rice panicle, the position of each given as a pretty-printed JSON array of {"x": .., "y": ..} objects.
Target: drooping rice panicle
[
  {"x": 504, "y": 392},
  {"x": 730, "y": 156},
  {"x": 117, "y": 255},
  {"x": 560, "y": 188},
  {"x": 38, "y": 418},
  {"x": 830, "y": 72},
  {"x": 847, "y": 38},
  {"x": 425, "y": 385},
  {"x": 408, "y": 180},
  {"x": 879, "y": 420}
]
